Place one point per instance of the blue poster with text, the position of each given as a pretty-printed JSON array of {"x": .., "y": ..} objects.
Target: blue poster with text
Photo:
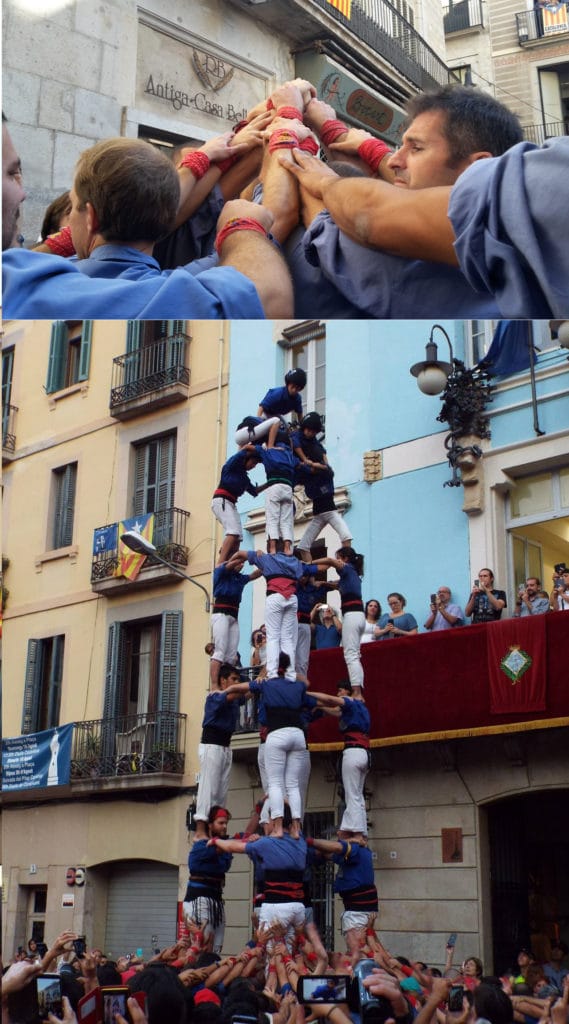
[{"x": 38, "y": 759}]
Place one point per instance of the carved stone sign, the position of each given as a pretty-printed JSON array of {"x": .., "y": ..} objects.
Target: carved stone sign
[{"x": 183, "y": 78}]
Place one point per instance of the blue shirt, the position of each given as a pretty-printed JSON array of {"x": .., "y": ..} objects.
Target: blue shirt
[
  {"x": 124, "y": 283},
  {"x": 356, "y": 870},
  {"x": 354, "y": 715},
  {"x": 208, "y": 860},
  {"x": 278, "y": 854},
  {"x": 383, "y": 286},
  {"x": 283, "y": 693},
  {"x": 510, "y": 215},
  {"x": 326, "y": 637},
  {"x": 228, "y": 585},
  {"x": 234, "y": 477},
  {"x": 278, "y": 462},
  {"x": 277, "y": 402},
  {"x": 220, "y": 712},
  {"x": 350, "y": 583},
  {"x": 404, "y": 621},
  {"x": 281, "y": 565}
]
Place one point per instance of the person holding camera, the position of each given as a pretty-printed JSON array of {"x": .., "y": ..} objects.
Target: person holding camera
[
  {"x": 559, "y": 597},
  {"x": 528, "y": 601},
  {"x": 485, "y": 603},
  {"x": 327, "y": 627},
  {"x": 443, "y": 614},
  {"x": 259, "y": 648}
]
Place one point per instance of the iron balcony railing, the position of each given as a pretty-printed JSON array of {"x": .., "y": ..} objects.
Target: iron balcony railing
[
  {"x": 463, "y": 15},
  {"x": 380, "y": 25},
  {"x": 169, "y": 537},
  {"x": 129, "y": 745},
  {"x": 542, "y": 24},
  {"x": 9, "y": 427},
  {"x": 538, "y": 133},
  {"x": 150, "y": 369}
]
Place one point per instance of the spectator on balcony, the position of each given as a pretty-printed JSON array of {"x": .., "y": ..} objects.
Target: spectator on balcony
[
  {"x": 220, "y": 718},
  {"x": 396, "y": 622},
  {"x": 259, "y": 649},
  {"x": 203, "y": 902},
  {"x": 327, "y": 626},
  {"x": 124, "y": 197},
  {"x": 228, "y": 587},
  {"x": 560, "y": 594},
  {"x": 443, "y": 614},
  {"x": 529, "y": 601},
  {"x": 233, "y": 482},
  {"x": 372, "y": 612},
  {"x": 485, "y": 603}
]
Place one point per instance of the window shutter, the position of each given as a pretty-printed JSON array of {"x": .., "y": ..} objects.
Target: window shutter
[
  {"x": 169, "y": 674},
  {"x": 85, "y": 351},
  {"x": 175, "y": 327},
  {"x": 57, "y": 350},
  {"x": 114, "y": 681},
  {"x": 54, "y": 692},
  {"x": 141, "y": 457},
  {"x": 166, "y": 473},
  {"x": 133, "y": 335},
  {"x": 64, "y": 511},
  {"x": 176, "y": 343},
  {"x": 32, "y": 687}
]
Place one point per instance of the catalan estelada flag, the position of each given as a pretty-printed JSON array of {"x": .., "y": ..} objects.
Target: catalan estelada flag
[
  {"x": 130, "y": 563},
  {"x": 343, "y": 6}
]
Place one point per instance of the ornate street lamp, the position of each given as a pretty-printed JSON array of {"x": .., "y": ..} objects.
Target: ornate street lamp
[
  {"x": 141, "y": 546},
  {"x": 465, "y": 395}
]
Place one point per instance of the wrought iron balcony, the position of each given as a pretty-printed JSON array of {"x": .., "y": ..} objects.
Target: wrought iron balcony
[
  {"x": 8, "y": 432},
  {"x": 169, "y": 537},
  {"x": 129, "y": 746},
  {"x": 461, "y": 16},
  {"x": 150, "y": 377},
  {"x": 542, "y": 24},
  {"x": 380, "y": 25},
  {"x": 538, "y": 133}
]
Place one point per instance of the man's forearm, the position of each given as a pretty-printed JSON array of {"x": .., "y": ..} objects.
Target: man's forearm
[
  {"x": 259, "y": 260},
  {"x": 409, "y": 223}
]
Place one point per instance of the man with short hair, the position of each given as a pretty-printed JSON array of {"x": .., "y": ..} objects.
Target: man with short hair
[
  {"x": 529, "y": 602},
  {"x": 485, "y": 603},
  {"x": 443, "y": 614},
  {"x": 13, "y": 193},
  {"x": 554, "y": 970},
  {"x": 448, "y": 129},
  {"x": 124, "y": 198}
]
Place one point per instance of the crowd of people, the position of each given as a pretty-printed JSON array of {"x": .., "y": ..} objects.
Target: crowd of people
[
  {"x": 268, "y": 982},
  {"x": 295, "y": 213}
]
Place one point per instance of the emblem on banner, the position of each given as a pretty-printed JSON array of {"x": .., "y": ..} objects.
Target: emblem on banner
[
  {"x": 515, "y": 663},
  {"x": 211, "y": 71}
]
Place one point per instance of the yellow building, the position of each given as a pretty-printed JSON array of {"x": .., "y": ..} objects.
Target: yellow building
[{"x": 106, "y": 422}]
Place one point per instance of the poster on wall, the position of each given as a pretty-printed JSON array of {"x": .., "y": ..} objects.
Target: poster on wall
[{"x": 37, "y": 760}]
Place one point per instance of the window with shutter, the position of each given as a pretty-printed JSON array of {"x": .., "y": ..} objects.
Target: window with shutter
[
  {"x": 69, "y": 354},
  {"x": 42, "y": 690},
  {"x": 154, "y": 483},
  {"x": 64, "y": 486}
]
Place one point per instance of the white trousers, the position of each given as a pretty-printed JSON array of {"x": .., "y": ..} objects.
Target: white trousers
[
  {"x": 215, "y": 768},
  {"x": 290, "y": 915},
  {"x": 226, "y": 513},
  {"x": 304, "y": 779},
  {"x": 198, "y": 910},
  {"x": 303, "y": 648},
  {"x": 279, "y": 512},
  {"x": 317, "y": 524},
  {"x": 284, "y": 760},
  {"x": 225, "y": 634},
  {"x": 354, "y": 770},
  {"x": 264, "y": 816},
  {"x": 353, "y": 625},
  {"x": 282, "y": 632}
]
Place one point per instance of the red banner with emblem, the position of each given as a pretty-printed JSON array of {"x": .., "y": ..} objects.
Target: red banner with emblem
[{"x": 516, "y": 664}]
